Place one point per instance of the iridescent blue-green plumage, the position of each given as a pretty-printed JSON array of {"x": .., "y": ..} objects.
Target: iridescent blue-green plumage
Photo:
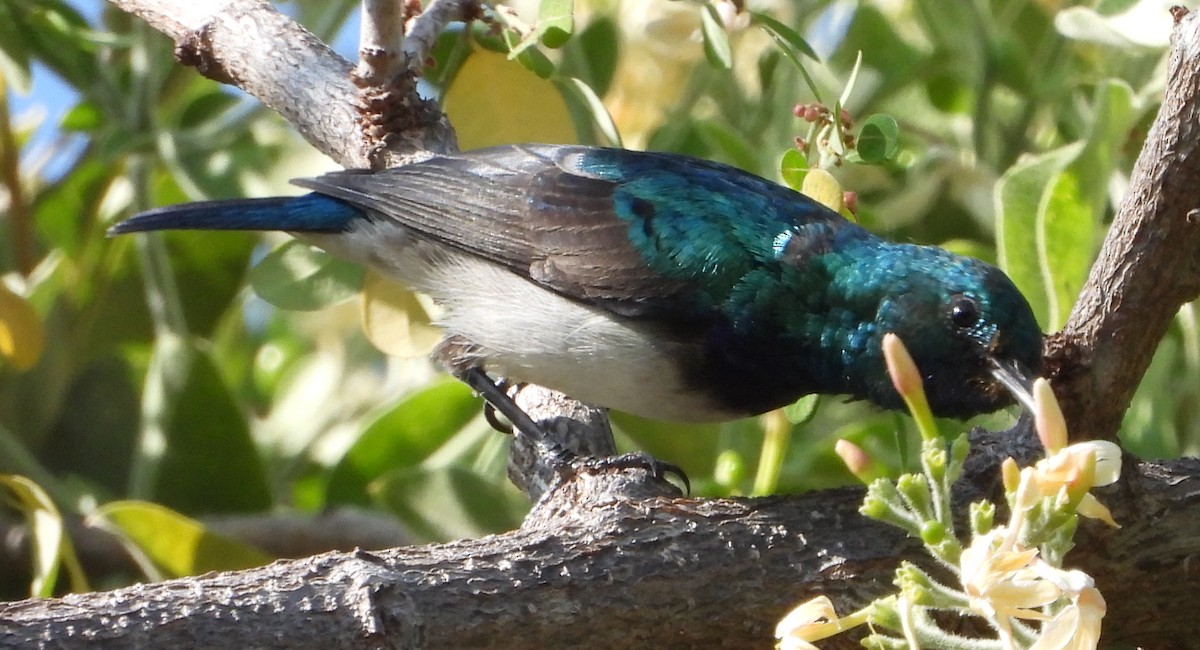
[{"x": 745, "y": 293}]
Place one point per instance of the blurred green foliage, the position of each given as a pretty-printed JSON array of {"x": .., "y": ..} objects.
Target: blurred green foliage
[{"x": 1005, "y": 129}]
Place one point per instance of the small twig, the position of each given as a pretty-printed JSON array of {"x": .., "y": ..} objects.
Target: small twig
[
  {"x": 423, "y": 30},
  {"x": 380, "y": 35}
]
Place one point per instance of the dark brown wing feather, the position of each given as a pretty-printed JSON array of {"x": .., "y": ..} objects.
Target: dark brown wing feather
[{"x": 522, "y": 208}]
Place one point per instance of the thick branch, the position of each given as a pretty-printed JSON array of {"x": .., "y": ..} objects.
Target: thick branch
[
  {"x": 604, "y": 573},
  {"x": 247, "y": 43},
  {"x": 1148, "y": 267}
]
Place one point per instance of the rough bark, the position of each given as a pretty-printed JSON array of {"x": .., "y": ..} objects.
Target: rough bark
[
  {"x": 616, "y": 571},
  {"x": 611, "y": 559}
]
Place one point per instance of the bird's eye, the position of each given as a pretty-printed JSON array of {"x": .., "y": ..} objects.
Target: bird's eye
[{"x": 964, "y": 312}]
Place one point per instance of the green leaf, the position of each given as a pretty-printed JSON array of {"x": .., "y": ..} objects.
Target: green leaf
[
  {"x": 878, "y": 36},
  {"x": 450, "y": 502},
  {"x": 595, "y": 108},
  {"x": 210, "y": 269},
  {"x": 450, "y": 51},
  {"x": 402, "y": 436},
  {"x": 783, "y": 34},
  {"x": 793, "y": 168},
  {"x": 1067, "y": 234},
  {"x": 1052, "y": 204},
  {"x": 596, "y": 51},
  {"x": 300, "y": 277},
  {"x": 45, "y": 528},
  {"x": 799, "y": 65},
  {"x": 949, "y": 95},
  {"x": 526, "y": 53},
  {"x": 878, "y": 139},
  {"x": 955, "y": 28},
  {"x": 803, "y": 409},
  {"x": 59, "y": 38},
  {"x": 1020, "y": 228},
  {"x": 727, "y": 143},
  {"x": 200, "y": 457},
  {"x": 716, "y": 39},
  {"x": 178, "y": 545},
  {"x": 730, "y": 470},
  {"x": 84, "y": 116},
  {"x": 982, "y": 251},
  {"x": 61, "y": 210},
  {"x": 206, "y": 107},
  {"x": 1113, "y": 116},
  {"x": 786, "y": 40},
  {"x": 556, "y": 22},
  {"x": 484, "y": 35},
  {"x": 1152, "y": 427},
  {"x": 96, "y": 437}
]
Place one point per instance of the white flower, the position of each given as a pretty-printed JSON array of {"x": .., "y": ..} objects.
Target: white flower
[
  {"x": 811, "y": 621},
  {"x": 1002, "y": 581},
  {"x": 1077, "y": 626}
]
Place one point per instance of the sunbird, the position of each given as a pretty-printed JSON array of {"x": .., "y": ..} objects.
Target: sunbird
[{"x": 658, "y": 284}]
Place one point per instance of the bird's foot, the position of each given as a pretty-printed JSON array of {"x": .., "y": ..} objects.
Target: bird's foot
[
  {"x": 565, "y": 462},
  {"x": 632, "y": 460}
]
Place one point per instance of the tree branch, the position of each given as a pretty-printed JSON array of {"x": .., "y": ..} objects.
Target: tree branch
[
  {"x": 424, "y": 29},
  {"x": 248, "y": 44},
  {"x": 380, "y": 32},
  {"x": 1148, "y": 267},
  {"x": 615, "y": 572}
]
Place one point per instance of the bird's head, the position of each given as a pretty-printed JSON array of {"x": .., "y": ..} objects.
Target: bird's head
[{"x": 970, "y": 331}]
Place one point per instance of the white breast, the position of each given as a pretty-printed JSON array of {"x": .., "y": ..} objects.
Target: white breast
[{"x": 528, "y": 333}]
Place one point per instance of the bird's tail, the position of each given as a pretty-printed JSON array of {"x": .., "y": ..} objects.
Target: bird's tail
[{"x": 308, "y": 213}]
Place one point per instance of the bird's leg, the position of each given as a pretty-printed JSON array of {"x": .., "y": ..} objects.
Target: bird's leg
[
  {"x": 490, "y": 391},
  {"x": 461, "y": 358}
]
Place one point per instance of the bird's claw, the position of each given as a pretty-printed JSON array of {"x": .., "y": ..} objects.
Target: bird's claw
[
  {"x": 632, "y": 460},
  {"x": 493, "y": 419},
  {"x": 492, "y": 415}
]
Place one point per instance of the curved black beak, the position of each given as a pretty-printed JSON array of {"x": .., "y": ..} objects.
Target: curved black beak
[{"x": 1013, "y": 376}]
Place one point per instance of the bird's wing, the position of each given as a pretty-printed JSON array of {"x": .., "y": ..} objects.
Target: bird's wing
[{"x": 631, "y": 231}]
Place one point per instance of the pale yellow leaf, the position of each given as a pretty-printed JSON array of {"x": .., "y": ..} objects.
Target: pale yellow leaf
[
  {"x": 21, "y": 334},
  {"x": 178, "y": 545},
  {"x": 822, "y": 187},
  {"x": 394, "y": 319},
  {"x": 496, "y": 101}
]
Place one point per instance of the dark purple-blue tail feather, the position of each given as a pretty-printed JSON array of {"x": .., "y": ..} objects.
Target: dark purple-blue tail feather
[{"x": 308, "y": 213}]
